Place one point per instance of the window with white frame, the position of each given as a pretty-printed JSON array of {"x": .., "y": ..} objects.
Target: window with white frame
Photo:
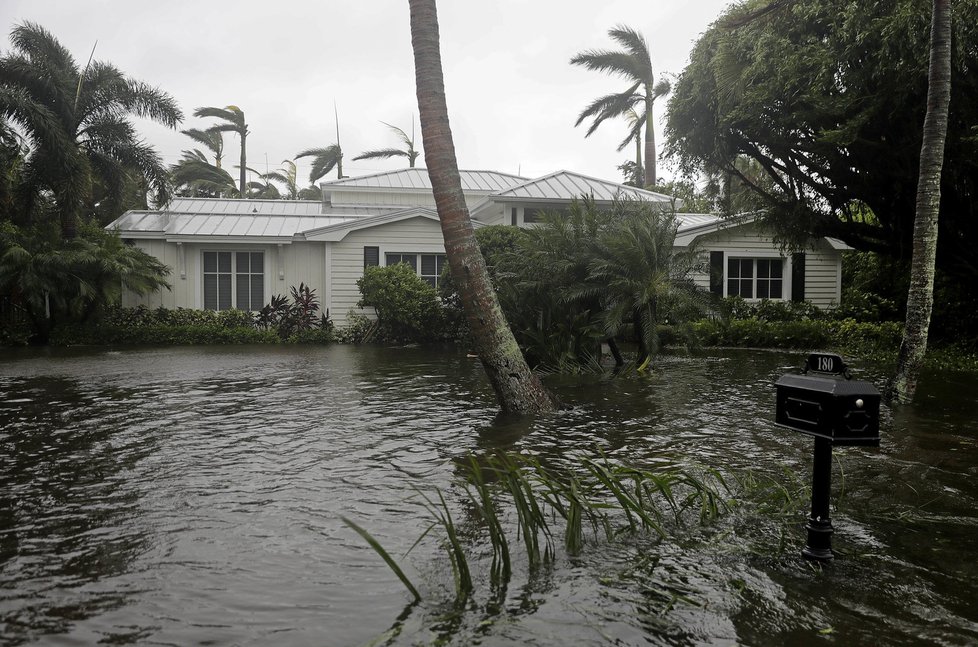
[
  {"x": 428, "y": 266},
  {"x": 755, "y": 278},
  {"x": 234, "y": 280}
]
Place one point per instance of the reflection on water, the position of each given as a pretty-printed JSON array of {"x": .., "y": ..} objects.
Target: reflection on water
[{"x": 191, "y": 495}]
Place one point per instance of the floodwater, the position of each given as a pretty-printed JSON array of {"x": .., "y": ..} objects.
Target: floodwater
[{"x": 186, "y": 496}]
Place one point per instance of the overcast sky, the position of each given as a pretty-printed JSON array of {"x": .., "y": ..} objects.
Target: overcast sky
[{"x": 512, "y": 96}]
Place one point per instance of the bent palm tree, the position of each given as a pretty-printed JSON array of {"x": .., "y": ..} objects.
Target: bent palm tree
[
  {"x": 324, "y": 160},
  {"x": 517, "y": 388},
  {"x": 634, "y": 64},
  {"x": 386, "y": 153},
  {"x": 213, "y": 140},
  {"x": 235, "y": 123},
  {"x": 194, "y": 176},
  {"x": 76, "y": 125}
]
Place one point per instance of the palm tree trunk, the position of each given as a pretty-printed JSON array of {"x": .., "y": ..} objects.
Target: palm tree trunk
[
  {"x": 244, "y": 164},
  {"x": 650, "y": 178},
  {"x": 920, "y": 297},
  {"x": 517, "y": 388}
]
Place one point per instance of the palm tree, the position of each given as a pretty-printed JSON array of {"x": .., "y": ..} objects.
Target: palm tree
[
  {"x": 920, "y": 299},
  {"x": 195, "y": 176},
  {"x": 634, "y": 64},
  {"x": 76, "y": 125},
  {"x": 324, "y": 160},
  {"x": 213, "y": 140},
  {"x": 234, "y": 119},
  {"x": 387, "y": 153},
  {"x": 517, "y": 388}
]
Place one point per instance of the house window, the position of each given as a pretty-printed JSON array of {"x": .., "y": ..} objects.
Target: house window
[
  {"x": 234, "y": 277},
  {"x": 755, "y": 278},
  {"x": 429, "y": 268},
  {"x": 531, "y": 215}
]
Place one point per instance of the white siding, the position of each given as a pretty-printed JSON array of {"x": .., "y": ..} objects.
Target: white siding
[
  {"x": 285, "y": 266},
  {"x": 414, "y": 235},
  {"x": 823, "y": 265}
]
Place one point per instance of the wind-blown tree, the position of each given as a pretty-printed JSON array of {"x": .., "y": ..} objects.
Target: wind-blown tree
[
  {"x": 386, "y": 153},
  {"x": 212, "y": 140},
  {"x": 828, "y": 98},
  {"x": 517, "y": 388},
  {"x": 76, "y": 124},
  {"x": 920, "y": 297},
  {"x": 195, "y": 177},
  {"x": 234, "y": 122},
  {"x": 634, "y": 63},
  {"x": 324, "y": 160}
]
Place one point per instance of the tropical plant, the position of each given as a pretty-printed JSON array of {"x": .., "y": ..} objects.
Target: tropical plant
[
  {"x": 386, "y": 153},
  {"x": 920, "y": 298},
  {"x": 406, "y": 306},
  {"x": 234, "y": 122},
  {"x": 212, "y": 140},
  {"x": 517, "y": 388},
  {"x": 634, "y": 63},
  {"x": 828, "y": 98},
  {"x": 194, "y": 176},
  {"x": 78, "y": 137},
  {"x": 324, "y": 160}
]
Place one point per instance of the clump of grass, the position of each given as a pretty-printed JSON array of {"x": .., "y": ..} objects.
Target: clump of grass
[{"x": 605, "y": 498}]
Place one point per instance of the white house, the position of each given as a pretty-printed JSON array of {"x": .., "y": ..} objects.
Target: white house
[{"x": 238, "y": 253}]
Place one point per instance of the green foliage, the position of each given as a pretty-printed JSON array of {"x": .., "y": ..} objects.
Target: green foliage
[
  {"x": 407, "y": 308},
  {"x": 55, "y": 281},
  {"x": 827, "y": 99},
  {"x": 82, "y": 154},
  {"x": 296, "y": 320}
]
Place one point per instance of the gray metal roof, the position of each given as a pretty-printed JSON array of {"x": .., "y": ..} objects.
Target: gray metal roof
[
  {"x": 689, "y": 221},
  {"x": 412, "y": 179},
  {"x": 566, "y": 185},
  {"x": 238, "y": 206},
  {"x": 135, "y": 224}
]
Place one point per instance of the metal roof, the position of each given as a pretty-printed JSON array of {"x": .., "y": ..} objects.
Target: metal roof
[
  {"x": 689, "y": 221},
  {"x": 566, "y": 185},
  {"x": 135, "y": 224},
  {"x": 238, "y": 206},
  {"x": 416, "y": 179}
]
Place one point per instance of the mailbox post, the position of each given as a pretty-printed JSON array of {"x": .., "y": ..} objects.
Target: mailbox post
[{"x": 826, "y": 403}]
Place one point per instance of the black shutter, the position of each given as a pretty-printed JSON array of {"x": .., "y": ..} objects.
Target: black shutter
[
  {"x": 798, "y": 276},
  {"x": 371, "y": 256},
  {"x": 716, "y": 273}
]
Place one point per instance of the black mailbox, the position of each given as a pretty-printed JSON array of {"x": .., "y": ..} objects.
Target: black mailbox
[{"x": 846, "y": 412}]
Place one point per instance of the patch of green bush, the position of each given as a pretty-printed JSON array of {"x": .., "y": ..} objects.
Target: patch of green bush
[{"x": 407, "y": 308}]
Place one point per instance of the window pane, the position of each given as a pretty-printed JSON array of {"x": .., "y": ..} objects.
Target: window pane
[
  {"x": 257, "y": 263},
  {"x": 210, "y": 261},
  {"x": 224, "y": 290},
  {"x": 428, "y": 265},
  {"x": 777, "y": 267},
  {"x": 531, "y": 215},
  {"x": 746, "y": 268},
  {"x": 762, "y": 288},
  {"x": 747, "y": 288},
  {"x": 210, "y": 291},
  {"x": 776, "y": 289},
  {"x": 733, "y": 268},
  {"x": 371, "y": 256},
  {"x": 224, "y": 262},
  {"x": 257, "y": 293},
  {"x": 733, "y": 287},
  {"x": 430, "y": 280},
  {"x": 241, "y": 292},
  {"x": 442, "y": 261},
  {"x": 241, "y": 259},
  {"x": 392, "y": 259},
  {"x": 763, "y": 268}
]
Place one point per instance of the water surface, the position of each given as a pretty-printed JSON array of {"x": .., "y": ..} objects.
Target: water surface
[{"x": 193, "y": 496}]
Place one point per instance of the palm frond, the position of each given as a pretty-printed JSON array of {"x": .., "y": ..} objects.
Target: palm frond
[{"x": 383, "y": 153}]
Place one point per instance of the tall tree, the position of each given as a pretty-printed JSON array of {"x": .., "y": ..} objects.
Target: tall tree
[
  {"x": 76, "y": 125},
  {"x": 386, "y": 153},
  {"x": 827, "y": 98},
  {"x": 634, "y": 63},
  {"x": 234, "y": 119},
  {"x": 194, "y": 176},
  {"x": 324, "y": 160},
  {"x": 920, "y": 297},
  {"x": 517, "y": 388},
  {"x": 212, "y": 140}
]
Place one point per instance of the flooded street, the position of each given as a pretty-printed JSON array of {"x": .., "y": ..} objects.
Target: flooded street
[{"x": 193, "y": 496}]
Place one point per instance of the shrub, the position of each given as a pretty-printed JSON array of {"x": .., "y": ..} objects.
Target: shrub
[{"x": 407, "y": 308}]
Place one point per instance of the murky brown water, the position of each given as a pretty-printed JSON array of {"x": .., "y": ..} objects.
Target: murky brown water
[{"x": 192, "y": 496}]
